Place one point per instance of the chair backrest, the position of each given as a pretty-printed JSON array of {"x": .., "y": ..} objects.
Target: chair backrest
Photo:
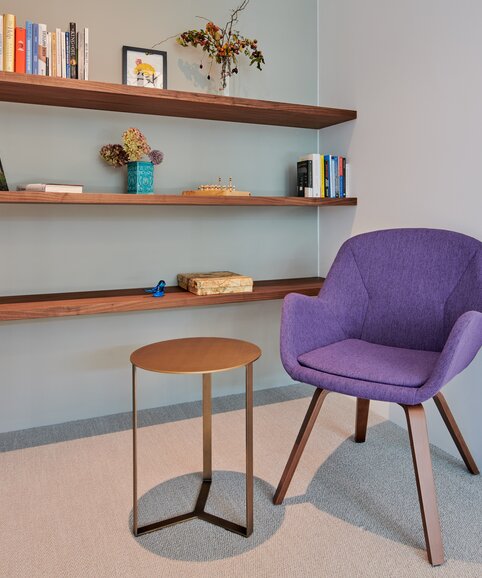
[{"x": 405, "y": 287}]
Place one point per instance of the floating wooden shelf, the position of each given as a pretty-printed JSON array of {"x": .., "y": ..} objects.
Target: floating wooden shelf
[
  {"x": 126, "y": 199},
  {"x": 33, "y": 89},
  {"x": 120, "y": 300}
]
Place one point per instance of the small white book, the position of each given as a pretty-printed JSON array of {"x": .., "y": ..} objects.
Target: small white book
[
  {"x": 63, "y": 56},
  {"x": 52, "y": 188},
  {"x": 60, "y": 40}
]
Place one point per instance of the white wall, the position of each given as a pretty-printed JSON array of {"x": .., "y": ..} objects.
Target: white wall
[
  {"x": 412, "y": 70},
  {"x": 63, "y": 369}
]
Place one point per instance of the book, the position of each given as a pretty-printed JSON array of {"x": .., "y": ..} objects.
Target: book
[
  {"x": 53, "y": 54},
  {"x": 304, "y": 172},
  {"x": 342, "y": 177},
  {"x": 49, "y": 54},
  {"x": 73, "y": 50},
  {"x": 326, "y": 162},
  {"x": 67, "y": 55},
  {"x": 80, "y": 54},
  {"x": 34, "y": 48},
  {"x": 1, "y": 42},
  {"x": 215, "y": 282},
  {"x": 58, "y": 46},
  {"x": 347, "y": 180},
  {"x": 86, "y": 54},
  {"x": 9, "y": 43},
  {"x": 52, "y": 188},
  {"x": 20, "y": 54},
  {"x": 322, "y": 176},
  {"x": 42, "y": 49},
  {"x": 315, "y": 186},
  {"x": 28, "y": 49},
  {"x": 63, "y": 56},
  {"x": 336, "y": 171}
]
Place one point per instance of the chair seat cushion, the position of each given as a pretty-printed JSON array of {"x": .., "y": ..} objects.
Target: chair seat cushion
[{"x": 357, "y": 359}]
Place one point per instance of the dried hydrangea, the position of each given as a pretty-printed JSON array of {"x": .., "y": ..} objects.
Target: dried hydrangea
[
  {"x": 114, "y": 154},
  {"x": 135, "y": 144},
  {"x": 156, "y": 157}
]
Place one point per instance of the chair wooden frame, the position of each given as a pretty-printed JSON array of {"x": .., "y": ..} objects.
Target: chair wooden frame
[{"x": 419, "y": 443}]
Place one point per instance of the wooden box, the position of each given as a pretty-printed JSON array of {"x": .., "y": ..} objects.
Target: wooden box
[{"x": 215, "y": 283}]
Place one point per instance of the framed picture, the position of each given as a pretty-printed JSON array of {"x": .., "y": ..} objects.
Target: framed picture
[
  {"x": 144, "y": 67},
  {"x": 3, "y": 180}
]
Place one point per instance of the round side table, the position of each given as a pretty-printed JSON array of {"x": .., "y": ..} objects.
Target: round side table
[{"x": 203, "y": 355}]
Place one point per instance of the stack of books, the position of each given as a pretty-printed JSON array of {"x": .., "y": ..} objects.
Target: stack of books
[
  {"x": 322, "y": 176},
  {"x": 34, "y": 50},
  {"x": 215, "y": 282}
]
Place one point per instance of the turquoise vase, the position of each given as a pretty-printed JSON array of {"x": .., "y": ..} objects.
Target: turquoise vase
[{"x": 140, "y": 177}]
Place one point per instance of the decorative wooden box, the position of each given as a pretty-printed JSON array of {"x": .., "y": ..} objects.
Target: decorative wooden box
[{"x": 215, "y": 282}]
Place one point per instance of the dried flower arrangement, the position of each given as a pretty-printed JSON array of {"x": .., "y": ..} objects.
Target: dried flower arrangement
[
  {"x": 223, "y": 45},
  {"x": 134, "y": 148}
]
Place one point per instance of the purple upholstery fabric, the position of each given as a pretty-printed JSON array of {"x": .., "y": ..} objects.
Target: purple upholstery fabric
[
  {"x": 414, "y": 289},
  {"x": 371, "y": 362}
]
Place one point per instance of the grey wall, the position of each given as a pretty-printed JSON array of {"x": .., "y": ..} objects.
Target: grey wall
[
  {"x": 63, "y": 369},
  {"x": 411, "y": 69}
]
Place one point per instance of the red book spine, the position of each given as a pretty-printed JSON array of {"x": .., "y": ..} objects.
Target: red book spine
[{"x": 20, "y": 49}]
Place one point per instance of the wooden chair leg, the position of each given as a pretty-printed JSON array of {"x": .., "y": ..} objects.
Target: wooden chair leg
[
  {"x": 300, "y": 443},
  {"x": 362, "y": 407},
  {"x": 457, "y": 436},
  {"x": 417, "y": 429}
]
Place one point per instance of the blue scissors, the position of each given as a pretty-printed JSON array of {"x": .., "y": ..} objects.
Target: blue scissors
[{"x": 157, "y": 290}]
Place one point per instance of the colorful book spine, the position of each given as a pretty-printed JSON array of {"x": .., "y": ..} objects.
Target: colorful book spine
[
  {"x": 28, "y": 49},
  {"x": 86, "y": 54},
  {"x": 42, "y": 49},
  {"x": 9, "y": 42},
  {"x": 322, "y": 176},
  {"x": 34, "y": 48},
  {"x": 342, "y": 178},
  {"x": 1, "y": 42},
  {"x": 326, "y": 171},
  {"x": 67, "y": 55},
  {"x": 73, "y": 50},
  {"x": 20, "y": 41}
]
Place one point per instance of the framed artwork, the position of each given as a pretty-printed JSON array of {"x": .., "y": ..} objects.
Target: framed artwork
[
  {"x": 144, "y": 67},
  {"x": 3, "y": 180}
]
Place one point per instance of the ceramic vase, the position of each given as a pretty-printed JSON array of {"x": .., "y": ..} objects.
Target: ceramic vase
[{"x": 140, "y": 177}]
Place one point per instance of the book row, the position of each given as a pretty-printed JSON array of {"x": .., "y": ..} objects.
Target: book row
[
  {"x": 34, "y": 50},
  {"x": 322, "y": 176}
]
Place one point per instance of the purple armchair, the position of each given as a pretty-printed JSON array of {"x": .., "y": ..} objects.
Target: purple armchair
[{"x": 399, "y": 315}]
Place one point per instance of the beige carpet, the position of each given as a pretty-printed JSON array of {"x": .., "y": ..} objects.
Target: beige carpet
[{"x": 66, "y": 506}]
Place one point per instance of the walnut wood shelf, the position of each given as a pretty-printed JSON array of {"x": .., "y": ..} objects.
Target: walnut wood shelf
[
  {"x": 119, "y": 300},
  {"x": 126, "y": 199},
  {"x": 33, "y": 89}
]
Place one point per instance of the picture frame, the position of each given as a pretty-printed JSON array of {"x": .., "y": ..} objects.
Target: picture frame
[
  {"x": 3, "y": 179},
  {"x": 144, "y": 67}
]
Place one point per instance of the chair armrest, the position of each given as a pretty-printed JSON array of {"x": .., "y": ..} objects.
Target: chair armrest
[
  {"x": 462, "y": 345},
  {"x": 306, "y": 324}
]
